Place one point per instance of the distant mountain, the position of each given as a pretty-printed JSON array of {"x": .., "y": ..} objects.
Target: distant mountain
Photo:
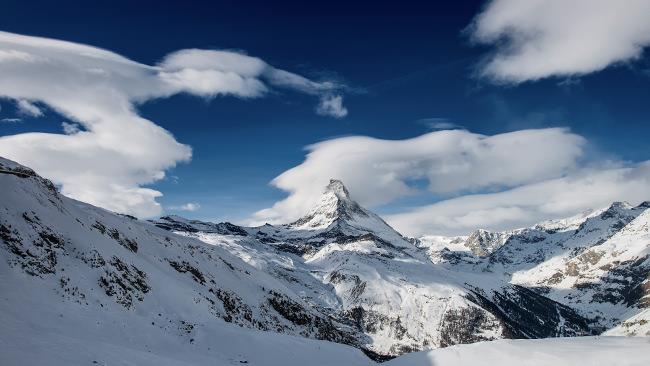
[
  {"x": 597, "y": 263},
  {"x": 72, "y": 273},
  {"x": 335, "y": 218}
]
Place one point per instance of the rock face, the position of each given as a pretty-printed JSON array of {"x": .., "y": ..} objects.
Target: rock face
[
  {"x": 340, "y": 273},
  {"x": 482, "y": 242}
]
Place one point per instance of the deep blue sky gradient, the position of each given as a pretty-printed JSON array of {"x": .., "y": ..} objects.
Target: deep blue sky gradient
[{"x": 403, "y": 61}]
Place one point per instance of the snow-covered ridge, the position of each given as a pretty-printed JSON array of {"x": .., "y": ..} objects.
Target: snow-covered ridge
[
  {"x": 72, "y": 274},
  {"x": 597, "y": 262}
]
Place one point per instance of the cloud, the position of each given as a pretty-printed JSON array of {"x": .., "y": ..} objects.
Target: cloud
[
  {"x": 191, "y": 206},
  {"x": 116, "y": 152},
  {"x": 11, "y": 120},
  {"x": 332, "y": 106},
  {"x": 528, "y": 204},
  {"x": 494, "y": 182},
  {"x": 28, "y": 108},
  {"x": 535, "y": 39},
  {"x": 451, "y": 162},
  {"x": 70, "y": 128},
  {"x": 437, "y": 123}
]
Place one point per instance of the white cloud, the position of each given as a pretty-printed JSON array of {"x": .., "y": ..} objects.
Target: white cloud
[
  {"x": 28, "y": 108},
  {"x": 70, "y": 128},
  {"x": 535, "y": 39},
  {"x": 118, "y": 151},
  {"x": 521, "y": 178},
  {"x": 190, "y": 206},
  {"x": 11, "y": 120},
  {"x": 437, "y": 123},
  {"x": 529, "y": 204},
  {"x": 14, "y": 55},
  {"x": 332, "y": 106},
  {"x": 451, "y": 161}
]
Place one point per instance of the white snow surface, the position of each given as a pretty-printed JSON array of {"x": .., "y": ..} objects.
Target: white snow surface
[{"x": 588, "y": 351}]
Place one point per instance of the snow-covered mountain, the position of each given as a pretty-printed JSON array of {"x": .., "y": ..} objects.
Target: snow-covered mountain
[
  {"x": 347, "y": 261},
  {"x": 336, "y": 218},
  {"x": 73, "y": 276},
  {"x": 82, "y": 278},
  {"x": 597, "y": 263}
]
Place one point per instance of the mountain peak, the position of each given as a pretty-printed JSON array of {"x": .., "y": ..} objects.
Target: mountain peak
[
  {"x": 338, "y": 188},
  {"x": 334, "y": 204},
  {"x": 336, "y": 216}
]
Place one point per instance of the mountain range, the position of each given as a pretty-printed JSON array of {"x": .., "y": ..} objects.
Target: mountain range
[{"x": 81, "y": 283}]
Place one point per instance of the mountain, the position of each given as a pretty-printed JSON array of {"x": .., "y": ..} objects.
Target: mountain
[
  {"x": 597, "y": 263},
  {"x": 335, "y": 218},
  {"x": 84, "y": 285},
  {"x": 346, "y": 261}
]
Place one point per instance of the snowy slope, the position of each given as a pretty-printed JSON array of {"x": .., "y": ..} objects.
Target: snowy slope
[
  {"x": 73, "y": 276},
  {"x": 592, "y": 351}
]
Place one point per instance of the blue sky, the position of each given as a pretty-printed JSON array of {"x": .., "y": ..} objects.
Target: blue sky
[{"x": 404, "y": 68}]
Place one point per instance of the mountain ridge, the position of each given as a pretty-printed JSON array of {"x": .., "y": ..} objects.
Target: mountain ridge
[{"x": 352, "y": 279}]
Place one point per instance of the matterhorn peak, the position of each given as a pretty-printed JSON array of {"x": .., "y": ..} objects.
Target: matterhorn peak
[
  {"x": 338, "y": 188},
  {"x": 334, "y": 204}
]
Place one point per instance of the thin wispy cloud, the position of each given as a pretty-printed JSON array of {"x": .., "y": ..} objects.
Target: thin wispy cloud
[
  {"x": 11, "y": 120},
  {"x": 332, "y": 105},
  {"x": 118, "y": 151},
  {"x": 190, "y": 207},
  {"x": 536, "y": 39},
  {"x": 28, "y": 108},
  {"x": 70, "y": 128},
  {"x": 438, "y": 123}
]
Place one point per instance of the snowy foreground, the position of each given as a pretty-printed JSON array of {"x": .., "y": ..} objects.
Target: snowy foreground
[
  {"x": 584, "y": 351},
  {"x": 39, "y": 339},
  {"x": 35, "y": 343}
]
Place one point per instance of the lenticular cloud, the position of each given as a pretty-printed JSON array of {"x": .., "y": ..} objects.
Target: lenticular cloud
[
  {"x": 116, "y": 152},
  {"x": 380, "y": 171}
]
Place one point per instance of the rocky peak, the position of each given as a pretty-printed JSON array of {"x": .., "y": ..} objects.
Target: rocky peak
[
  {"x": 333, "y": 205},
  {"x": 336, "y": 187},
  {"x": 618, "y": 210},
  {"x": 482, "y": 242}
]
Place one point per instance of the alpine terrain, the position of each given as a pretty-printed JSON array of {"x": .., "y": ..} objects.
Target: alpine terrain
[{"x": 82, "y": 285}]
